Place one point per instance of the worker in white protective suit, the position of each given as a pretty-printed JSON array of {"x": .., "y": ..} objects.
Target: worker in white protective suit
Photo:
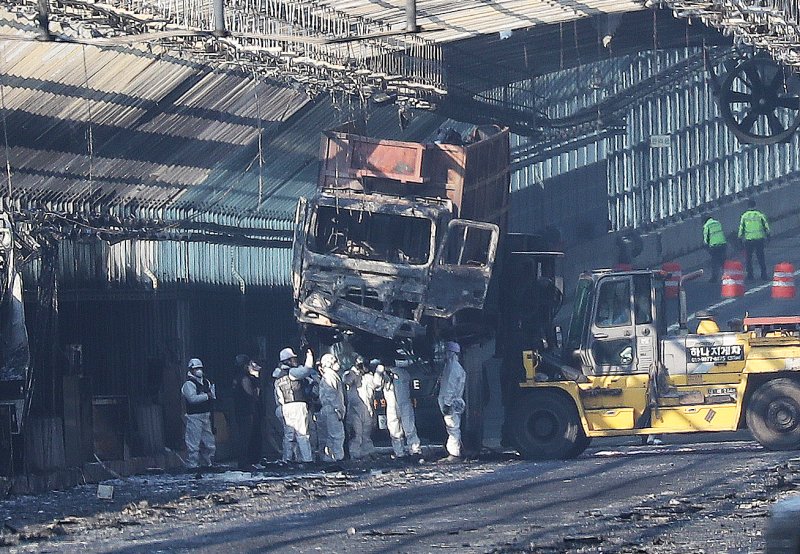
[
  {"x": 198, "y": 394},
  {"x": 290, "y": 382},
  {"x": 399, "y": 410},
  {"x": 451, "y": 399},
  {"x": 330, "y": 419},
  {"x": 361, "y": 386}
]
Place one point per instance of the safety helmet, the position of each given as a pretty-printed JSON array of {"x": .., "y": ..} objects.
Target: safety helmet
[
  {"x": 452, "y": 346},
  {"x": 327, "y": 360},
  {"x": 287, "y": 354},
  {"x": 242, "y": 359},
  {"x": 195, "y": 363}
]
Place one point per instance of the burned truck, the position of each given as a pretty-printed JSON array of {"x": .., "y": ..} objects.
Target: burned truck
[{"x": 403, "y": 247}]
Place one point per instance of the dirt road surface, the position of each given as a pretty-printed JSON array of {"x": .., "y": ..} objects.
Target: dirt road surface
[{"x": 695, "y": 494}]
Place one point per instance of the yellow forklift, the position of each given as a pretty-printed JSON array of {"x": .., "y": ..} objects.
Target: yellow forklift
[{"x": 623, "y": 373}]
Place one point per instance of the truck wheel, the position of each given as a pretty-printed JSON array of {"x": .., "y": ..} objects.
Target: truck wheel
[
  {"x": 773, "y": 414},
  {"x": 546, "y": 427}
]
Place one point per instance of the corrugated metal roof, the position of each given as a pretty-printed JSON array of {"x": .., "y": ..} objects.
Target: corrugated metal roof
[
  {"x": 121, "y": 127},
  {"x": 468, "y": 18}
]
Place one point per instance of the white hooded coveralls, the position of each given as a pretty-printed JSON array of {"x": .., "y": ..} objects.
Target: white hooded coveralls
[
  {"x": 451, "y": 393},
  {"x": 199, "y": 436},
  {"x": 293, "y": 414},
  {"x": 361, "y": 389},
  {"x": 330, "y": 420},
  {"x": 400, "y": 419}
]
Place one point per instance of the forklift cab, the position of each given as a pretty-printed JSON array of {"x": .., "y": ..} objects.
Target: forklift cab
[
  {"x": 616, "y": 324},
  {"x": 631, "y": 378}
]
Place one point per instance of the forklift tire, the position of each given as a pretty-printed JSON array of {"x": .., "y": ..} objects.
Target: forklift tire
[
  {"x": 773, "y": 414},
  {"x": 581, "y": 444},
  {"x": 546, "y": 426}
]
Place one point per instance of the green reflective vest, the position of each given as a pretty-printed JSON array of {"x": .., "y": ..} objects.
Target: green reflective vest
[
  {"x": 753, "y": 225},
  {"x": 713, "y": 234}
]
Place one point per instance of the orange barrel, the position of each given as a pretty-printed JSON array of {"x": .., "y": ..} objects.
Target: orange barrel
[
  {"x": 673, "y": 282},
  {"x": 783, "y": 281},
  {"x": 732, "y": 279},
  {"x": 623, "y": 267}
]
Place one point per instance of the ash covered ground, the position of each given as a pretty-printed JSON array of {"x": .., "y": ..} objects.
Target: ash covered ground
[{"x": 695, "y": 494}]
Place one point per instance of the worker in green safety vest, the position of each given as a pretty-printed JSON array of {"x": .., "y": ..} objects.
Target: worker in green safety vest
[
  {"x": 716, "y": 244},
  {"x": 754, "y": 232}
]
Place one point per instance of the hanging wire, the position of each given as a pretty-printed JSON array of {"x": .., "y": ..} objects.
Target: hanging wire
[
  {"x": 260, "y": 143},
  {"x": 577, "y": 56},
  {"x": 89, "y": 134},
  {"x": 5, "y": 137}
]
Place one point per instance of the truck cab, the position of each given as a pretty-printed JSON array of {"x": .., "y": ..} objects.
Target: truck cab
[
  {"x": 383, "y": 265},
  {"x": 625, "y": 372}
]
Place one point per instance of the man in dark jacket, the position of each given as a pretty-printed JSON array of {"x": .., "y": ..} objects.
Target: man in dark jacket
[{"x": 247, "y": 408}]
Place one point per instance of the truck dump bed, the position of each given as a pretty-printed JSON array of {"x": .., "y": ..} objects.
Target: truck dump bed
[{"x": 475, "y": 176}]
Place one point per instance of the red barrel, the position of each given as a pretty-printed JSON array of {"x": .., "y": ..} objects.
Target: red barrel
[
  {"x": 732, "y": 279},
  {"x": 672, "y": 284},
  {"x": 783, "y": 281}
]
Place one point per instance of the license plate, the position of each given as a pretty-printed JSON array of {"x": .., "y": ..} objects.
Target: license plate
[{"x": 722, "y": 391}]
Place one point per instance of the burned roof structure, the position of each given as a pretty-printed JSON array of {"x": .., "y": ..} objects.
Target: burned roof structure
[{"x": 464, "y": 59}]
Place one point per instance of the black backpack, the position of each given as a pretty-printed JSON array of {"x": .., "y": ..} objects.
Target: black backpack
[{"x": 311, "y": 394}]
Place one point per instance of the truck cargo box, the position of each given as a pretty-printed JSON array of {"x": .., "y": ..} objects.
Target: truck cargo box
[{"x": 474, "y": 176}]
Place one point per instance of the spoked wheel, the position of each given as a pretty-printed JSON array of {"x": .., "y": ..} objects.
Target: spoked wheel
[
  {"x": 547, "y": 427},
  {"x": 773, "y": 414},
  {"x": 760, "y": 101}
]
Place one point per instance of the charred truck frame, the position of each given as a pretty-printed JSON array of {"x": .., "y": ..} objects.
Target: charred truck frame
[{"x": 403, "y": 247}]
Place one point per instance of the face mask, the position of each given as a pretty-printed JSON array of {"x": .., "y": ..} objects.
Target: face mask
[
  {"x": 198, "y": 373},
  {"x": 254, "y": 370}
]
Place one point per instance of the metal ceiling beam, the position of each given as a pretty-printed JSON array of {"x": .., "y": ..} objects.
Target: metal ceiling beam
[{"x": 773, "y": 26}]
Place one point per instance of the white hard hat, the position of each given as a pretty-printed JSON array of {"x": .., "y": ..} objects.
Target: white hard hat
[
  {"x": 327, "y": 360},
  {"x": 287, "y": 354},
  {"x": 195, "y": 363},
  {"x": 452, "y": 347}
]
